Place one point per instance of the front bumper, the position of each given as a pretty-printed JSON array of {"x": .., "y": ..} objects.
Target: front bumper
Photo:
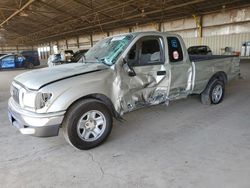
[{"x": 30, "y": 123}]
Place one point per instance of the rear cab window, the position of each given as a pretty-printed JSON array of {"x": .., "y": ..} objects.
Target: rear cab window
[{"x": 174, "y": 49}]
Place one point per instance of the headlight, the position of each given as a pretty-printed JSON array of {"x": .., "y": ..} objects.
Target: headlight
[
  {"x": 34, "y": 100},
  {"x": 42, "y": 99},
  {"x": 27, "y": 99}
]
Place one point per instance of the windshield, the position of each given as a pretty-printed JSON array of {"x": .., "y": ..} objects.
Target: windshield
[{"x": 107, "y": 50}]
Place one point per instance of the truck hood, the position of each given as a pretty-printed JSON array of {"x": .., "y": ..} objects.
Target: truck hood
[{"x": 36, "y": 79}]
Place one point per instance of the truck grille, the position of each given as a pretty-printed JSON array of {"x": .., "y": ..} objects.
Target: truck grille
[{"x": 15, "y": 94}]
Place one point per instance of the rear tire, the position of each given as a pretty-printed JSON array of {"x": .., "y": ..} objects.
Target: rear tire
[
  {"x": 214, "y": 93},
  {"x": 87, "y": 124}
]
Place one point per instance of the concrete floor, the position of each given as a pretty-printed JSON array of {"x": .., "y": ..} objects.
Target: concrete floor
[{"x": 184, "y": 145}]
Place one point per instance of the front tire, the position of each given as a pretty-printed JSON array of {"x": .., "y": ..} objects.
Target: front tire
[
  {"x": 87, "y": 124},
  {"x": 214, "y": 93}
]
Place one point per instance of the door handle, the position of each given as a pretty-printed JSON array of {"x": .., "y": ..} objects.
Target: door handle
[{"x": 161, "y": 73}]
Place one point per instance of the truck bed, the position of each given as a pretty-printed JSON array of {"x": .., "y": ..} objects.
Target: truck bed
[
  {"x": 195, "y": 58},
  {"x": 205, "y": 66}
]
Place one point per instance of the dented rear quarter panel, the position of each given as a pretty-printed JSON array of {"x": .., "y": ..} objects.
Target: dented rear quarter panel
[{"x": 204, "y": 70}]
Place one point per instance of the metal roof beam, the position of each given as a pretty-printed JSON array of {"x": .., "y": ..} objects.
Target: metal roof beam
[
  {"x": 127, "y": 18},
  {"x": 17, "y": 12},
  {"x": 92, "y": 9}
]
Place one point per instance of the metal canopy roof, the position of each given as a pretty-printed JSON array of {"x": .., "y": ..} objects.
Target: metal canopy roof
[{"x": 37, "y": 21}]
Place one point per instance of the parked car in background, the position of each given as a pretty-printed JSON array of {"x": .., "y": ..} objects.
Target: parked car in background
[
  {"x": 56, "y": 59},
  {"x": 31, "y": 57},
  {"x": 77, "y": 56},
  {"x": 199, "y": 50},
  {"x": 17, "y": 61},
  {"x": 68, "y": 55},
  {"x": 12, "y": 61}
]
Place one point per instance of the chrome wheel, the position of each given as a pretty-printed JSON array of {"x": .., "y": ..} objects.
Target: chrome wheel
[
  {"x": 217, "y": 93},
  {"x": 91, "y": 125}
]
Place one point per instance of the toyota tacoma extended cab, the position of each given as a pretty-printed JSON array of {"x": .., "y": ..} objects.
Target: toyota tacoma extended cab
[{"x": 117, "y": 75}]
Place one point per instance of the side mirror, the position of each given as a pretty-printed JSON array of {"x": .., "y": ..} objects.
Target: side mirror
[{"x": 128, "y": 68}]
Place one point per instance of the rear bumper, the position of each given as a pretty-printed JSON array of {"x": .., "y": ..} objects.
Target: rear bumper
[{"x": 30, "y": 123}]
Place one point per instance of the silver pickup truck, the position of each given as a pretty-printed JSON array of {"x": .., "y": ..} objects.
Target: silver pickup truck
[{"x": 117, "y": 75}]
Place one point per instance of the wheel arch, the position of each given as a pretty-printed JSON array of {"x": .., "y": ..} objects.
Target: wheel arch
[
  {"x": 102, "y": 98},
  {"x": 221, "y": 75}
]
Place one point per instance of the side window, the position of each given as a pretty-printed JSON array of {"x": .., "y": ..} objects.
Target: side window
[
  {"x": 174, "y": 49},
  {"x": 151, "y": 52},
  {"x": 9, "y": 58},
  {"x": 146, "y": 51},
  {"x": 202, "y": 50}
]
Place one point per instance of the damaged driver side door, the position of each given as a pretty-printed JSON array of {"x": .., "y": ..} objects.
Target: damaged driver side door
[{"x": 146, "y": 78}]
